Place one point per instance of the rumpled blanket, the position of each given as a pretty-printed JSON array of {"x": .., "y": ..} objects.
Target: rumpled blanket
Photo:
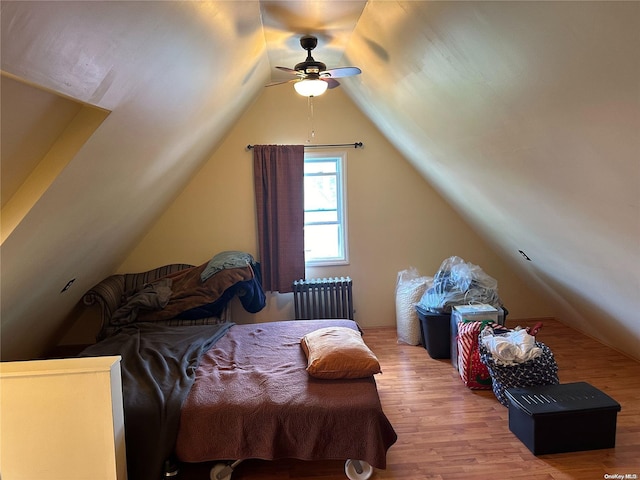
[
  {"x": 250, "y": 293},
  {"x": 189, "y": 291},
  {"x": 152, "y": 296},
  {"x": 511, "y": 348},
  {"x": 158, "y": 370}
]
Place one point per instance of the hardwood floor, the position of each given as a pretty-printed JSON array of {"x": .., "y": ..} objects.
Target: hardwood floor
[{"x": 446, "y": 431}]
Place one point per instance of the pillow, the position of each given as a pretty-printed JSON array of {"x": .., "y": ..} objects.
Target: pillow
[{"x": 338, "y": 352}]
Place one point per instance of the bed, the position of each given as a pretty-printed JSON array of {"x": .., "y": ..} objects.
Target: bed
[
  {"x": 220, "y": 391},
  {"x": 253, "y": 398}
]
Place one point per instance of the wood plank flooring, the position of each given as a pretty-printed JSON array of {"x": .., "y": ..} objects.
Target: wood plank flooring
[{"x": 448, "y": 432}]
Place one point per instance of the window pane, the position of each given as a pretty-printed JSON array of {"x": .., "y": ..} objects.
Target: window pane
[
  {"x": 324, "y": 166},
  {"x": 321, "y": 241},
  {"x": 325, "y": 216},
  {"x": 320, "y": 193}
]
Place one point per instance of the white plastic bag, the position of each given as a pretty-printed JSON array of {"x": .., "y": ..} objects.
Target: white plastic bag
[
  {"x": 410, "y": 287},
  {"x": 460, "y": 283}
]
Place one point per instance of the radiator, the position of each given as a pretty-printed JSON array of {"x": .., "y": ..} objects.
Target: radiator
[{"x": 323, "y": 298}]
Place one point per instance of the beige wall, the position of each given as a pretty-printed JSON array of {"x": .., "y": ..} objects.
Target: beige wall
[{"x": 396, "y": 220}]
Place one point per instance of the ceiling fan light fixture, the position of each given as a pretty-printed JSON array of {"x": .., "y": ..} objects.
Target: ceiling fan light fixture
[
  {"x": 311, "y": 87},
  {"x": 313, "y": 77}
]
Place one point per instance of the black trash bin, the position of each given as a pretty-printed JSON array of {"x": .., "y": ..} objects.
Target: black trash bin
[{"x": 436, "y": 332}]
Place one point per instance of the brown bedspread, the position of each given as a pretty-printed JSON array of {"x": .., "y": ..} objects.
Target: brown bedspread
[{"x": 253, "y": 398}]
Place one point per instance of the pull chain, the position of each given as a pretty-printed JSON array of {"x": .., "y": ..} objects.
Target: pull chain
[{"x": 312, "y": 133}]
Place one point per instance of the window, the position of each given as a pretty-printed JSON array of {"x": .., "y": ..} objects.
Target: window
[{"x": 325, "y": 225}]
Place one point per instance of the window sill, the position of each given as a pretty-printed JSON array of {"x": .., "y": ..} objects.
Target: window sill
[{"x": 326, "y": 263}]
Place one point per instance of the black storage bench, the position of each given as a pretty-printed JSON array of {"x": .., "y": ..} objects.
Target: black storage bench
[{"x": 562, "y": 418}]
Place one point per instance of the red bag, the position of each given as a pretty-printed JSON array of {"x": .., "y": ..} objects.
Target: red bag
[{"x": 473, "y": 372}]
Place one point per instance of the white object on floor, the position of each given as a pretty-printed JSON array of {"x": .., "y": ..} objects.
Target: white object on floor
[
  {"x": 358, "y": 469},
  {"x": 512, "y": 348}
]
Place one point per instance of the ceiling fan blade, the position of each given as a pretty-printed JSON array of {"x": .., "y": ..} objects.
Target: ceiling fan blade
[
  {"x": 289, "y": 70},
  {"x": 281, "y": 82},
  {"x": 332, "y": 83},
  {"x": 342, "y": 72}
]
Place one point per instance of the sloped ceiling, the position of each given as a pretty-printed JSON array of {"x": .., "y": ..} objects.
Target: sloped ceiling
[
  {"x": 525, "y": 116},
  {"x": 32, "y": 120}
]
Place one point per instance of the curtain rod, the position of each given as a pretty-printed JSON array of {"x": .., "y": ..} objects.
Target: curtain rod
[{"x": 354, "y": 145}]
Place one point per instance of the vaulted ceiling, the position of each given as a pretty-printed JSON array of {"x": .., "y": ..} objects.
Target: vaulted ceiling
[{"x": 525, "y": 116}]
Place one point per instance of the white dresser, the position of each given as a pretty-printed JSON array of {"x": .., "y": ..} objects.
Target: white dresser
[{"x": 62, "y": 419}]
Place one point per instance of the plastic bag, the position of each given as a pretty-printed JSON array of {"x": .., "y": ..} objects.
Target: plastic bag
[
  {"x": 410, "y": 287},
  {"x": 460, "y": 283}
]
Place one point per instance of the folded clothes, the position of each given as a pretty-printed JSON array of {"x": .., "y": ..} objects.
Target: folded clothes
[
  {"x": 224, "y": 260},
  {"x": 511, "y": 348}
]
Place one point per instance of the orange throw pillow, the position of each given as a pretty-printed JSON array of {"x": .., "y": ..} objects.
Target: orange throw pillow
[{"x": 338, "y": 352}]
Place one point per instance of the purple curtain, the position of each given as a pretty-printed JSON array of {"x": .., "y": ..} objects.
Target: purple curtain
[{"x": 279, "y": 187}]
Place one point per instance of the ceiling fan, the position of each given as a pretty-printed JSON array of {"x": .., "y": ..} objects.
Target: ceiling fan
[{"x": 313, "y": 76}]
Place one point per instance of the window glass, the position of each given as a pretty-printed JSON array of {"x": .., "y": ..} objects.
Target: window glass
[
  {"x": 325, "y": 209},
  {"x": 320, "y": 192},
  {"x": 314, "y": 217}
]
